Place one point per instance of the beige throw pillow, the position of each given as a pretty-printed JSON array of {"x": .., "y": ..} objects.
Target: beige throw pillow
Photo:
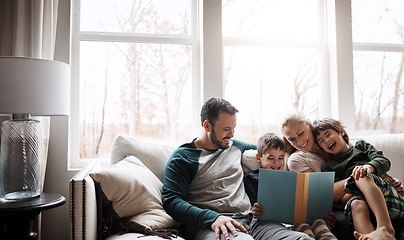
[{"x": 135, "y": 194}]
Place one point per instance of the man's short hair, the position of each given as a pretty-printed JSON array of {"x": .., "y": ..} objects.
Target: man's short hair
[
  {"x": 212, "y": 107},
  {"x": 269, "y": 141}
]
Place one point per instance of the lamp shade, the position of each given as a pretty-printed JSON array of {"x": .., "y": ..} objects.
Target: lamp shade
[{"x": 34, "y": 86}]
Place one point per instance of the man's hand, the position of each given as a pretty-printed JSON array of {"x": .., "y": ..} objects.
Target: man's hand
[
  {"x": 224, "y": 224},
  {"x": 257, "y": 210}
]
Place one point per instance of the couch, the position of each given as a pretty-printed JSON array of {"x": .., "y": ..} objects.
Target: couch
[{"x": 94, "y": 190}]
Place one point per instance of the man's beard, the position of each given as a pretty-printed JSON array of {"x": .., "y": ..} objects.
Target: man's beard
[{"x": 216, "y": 142}]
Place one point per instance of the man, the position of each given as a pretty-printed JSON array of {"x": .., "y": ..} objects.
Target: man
[{"x": 203, "y": 183}]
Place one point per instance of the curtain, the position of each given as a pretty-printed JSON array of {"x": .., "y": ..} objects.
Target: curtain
[{"x": 28, "y": 29}]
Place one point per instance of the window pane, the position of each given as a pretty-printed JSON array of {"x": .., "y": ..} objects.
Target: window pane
[
  {"x": 379, "y": 98},
  {"x": 286, "y": 19},
  {"x": 265, "y": 82},
  {"x": 378, "y": 21},
  {"x": 136, "y": 16},
  {"x": 135, "y": 89}
]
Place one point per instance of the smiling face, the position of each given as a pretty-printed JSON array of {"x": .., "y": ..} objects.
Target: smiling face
[
  {"x": 332, "y": 141},
  {"x": 272, "y": 159},
  {"x": 223, "y": 130},
  {"x": 300, "y": 136}
]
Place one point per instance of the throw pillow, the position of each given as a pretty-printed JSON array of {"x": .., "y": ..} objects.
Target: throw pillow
[
  {"x": 153, "y": 155},
  {"x": 130, "y": 193}
]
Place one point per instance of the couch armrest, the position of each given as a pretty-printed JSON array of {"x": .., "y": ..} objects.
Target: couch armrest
[{"x": 83, "y": 204}]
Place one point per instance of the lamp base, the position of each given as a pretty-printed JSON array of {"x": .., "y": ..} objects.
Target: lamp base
[
  {"x": 20, "y": 195},
  {"x": 20, "y": 159}
]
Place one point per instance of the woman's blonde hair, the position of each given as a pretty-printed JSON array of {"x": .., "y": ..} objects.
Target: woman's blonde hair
[{"x": 291, "y": 118}]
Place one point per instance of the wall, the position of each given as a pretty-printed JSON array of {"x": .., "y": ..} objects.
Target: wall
[{"x": 56, "y": 222}]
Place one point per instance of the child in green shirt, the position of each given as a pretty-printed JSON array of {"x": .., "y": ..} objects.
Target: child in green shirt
[{"x": 360, "y": 166}]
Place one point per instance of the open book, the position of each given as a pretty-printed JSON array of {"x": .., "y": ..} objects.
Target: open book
[{"x": 294, "y": 198}]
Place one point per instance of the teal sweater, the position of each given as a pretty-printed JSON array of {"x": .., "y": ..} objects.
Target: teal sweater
[
  {"x": 199, "y": 185},
  {"x": 360, "y": 154}
]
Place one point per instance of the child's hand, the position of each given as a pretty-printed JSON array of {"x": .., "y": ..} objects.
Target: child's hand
[
  {"x": 257, "y": 210},
  {"x": 330, "y": 219},
  {"x": 362, "y": 171}
]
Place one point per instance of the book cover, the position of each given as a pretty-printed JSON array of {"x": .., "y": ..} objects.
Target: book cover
[{"x": 295, "y": 198}]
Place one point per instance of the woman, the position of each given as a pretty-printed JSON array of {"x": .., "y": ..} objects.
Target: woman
[{"x": 307, "y": 156}]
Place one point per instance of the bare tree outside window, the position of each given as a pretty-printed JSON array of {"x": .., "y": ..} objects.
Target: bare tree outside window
[
  {"x": 378, "y": 69},
  {"x": 269, "y": 67},
  {"x": 138, "y": 86}
]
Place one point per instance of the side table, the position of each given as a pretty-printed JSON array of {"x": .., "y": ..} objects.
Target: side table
[{"x": 16, "y": 216}]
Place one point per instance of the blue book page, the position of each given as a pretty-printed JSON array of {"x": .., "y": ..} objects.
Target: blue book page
[
  {"x": 276, "y": 194},
  {"x": 320, "y": 195}
]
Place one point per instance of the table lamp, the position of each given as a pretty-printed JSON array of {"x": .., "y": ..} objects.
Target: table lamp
[{"x": 28, "y": 87}]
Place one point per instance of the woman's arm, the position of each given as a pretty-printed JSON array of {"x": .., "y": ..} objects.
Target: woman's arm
[{"x": 339, "y": 193}]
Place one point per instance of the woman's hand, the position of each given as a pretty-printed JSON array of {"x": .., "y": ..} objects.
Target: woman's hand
[
  {"x": 400, "y": 187},
  {"x": 330, "y": 219},
  {"x": 257, "y": 210},
  {"x": 362, "y": 171},
  {"x": 396, "y": 183}
]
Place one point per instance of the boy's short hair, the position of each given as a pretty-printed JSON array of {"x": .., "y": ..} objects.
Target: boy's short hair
[
  {"x": 212, "y": 107},
  {"x": 269, "y": 141},
  {"x": 329, "y": 123}
]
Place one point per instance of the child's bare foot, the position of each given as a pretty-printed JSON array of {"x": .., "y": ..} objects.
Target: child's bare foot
[{"x": 378, "y": 234}]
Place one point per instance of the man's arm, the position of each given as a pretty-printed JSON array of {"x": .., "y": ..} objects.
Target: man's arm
[{"x": 178, "y": 175}]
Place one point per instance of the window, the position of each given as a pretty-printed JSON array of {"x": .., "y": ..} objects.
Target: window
[
  {"x": 378, "y": 40},
  {"x": 138, "y": 67},
  {"x": 134, "y": 76},
  {"x": 275, "y": 52}
]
